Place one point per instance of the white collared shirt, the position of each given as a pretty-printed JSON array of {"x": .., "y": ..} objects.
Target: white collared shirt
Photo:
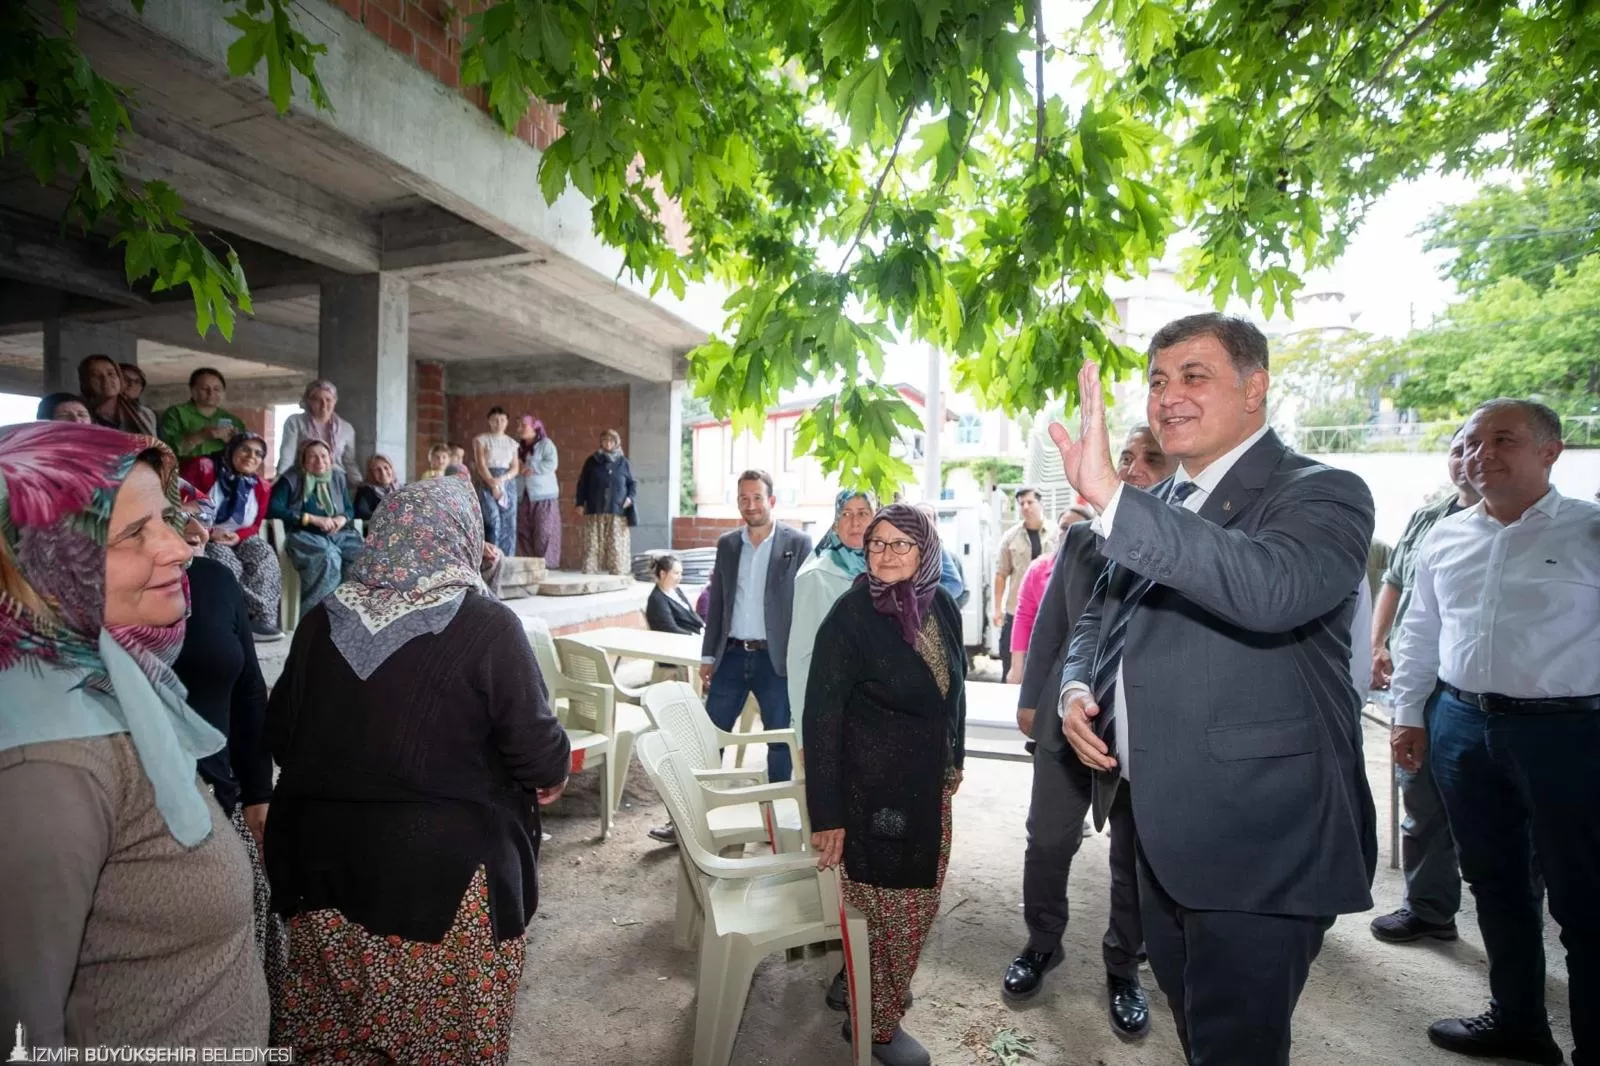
[
  {"x": 1512, "y": 610},
  {"x": 1205, "y": 482}
]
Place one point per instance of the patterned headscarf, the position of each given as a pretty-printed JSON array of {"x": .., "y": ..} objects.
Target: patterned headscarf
[
  {"x": 525, "y": 447},
  {"x": 424, "y": 544},
  {"x": 907, "y": 601},
  {"x": 318, "y": 487},
  {"x": 65, "y": 673},
  {"x": 852, "y": 561},
  {"x": 236, "y": 488}
]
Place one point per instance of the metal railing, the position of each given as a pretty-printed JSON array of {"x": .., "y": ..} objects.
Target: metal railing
[{"x": 1581, "y": 431}]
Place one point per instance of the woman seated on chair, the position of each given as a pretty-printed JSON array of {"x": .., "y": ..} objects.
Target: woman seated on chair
[
  {"x": 883, "y": 724},
  {"x": 415, "y": 743},
  {"x": 313, "y": 503},
  {"x": 668, "y": 610},
  {"x": 380, "y": 482},
  {"x": 239, "y": 500}
]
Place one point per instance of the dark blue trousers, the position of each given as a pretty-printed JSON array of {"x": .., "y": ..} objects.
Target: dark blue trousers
[
  {"x": 738, "y": 675},
  {"x": 1514, "y": 784}
]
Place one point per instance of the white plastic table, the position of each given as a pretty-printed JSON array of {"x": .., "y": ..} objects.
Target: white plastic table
[
  {"x": 674, "y": 649},
  {"x": 992, "y": 731}
]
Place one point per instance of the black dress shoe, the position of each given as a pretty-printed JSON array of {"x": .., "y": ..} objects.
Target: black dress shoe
[
  {"x": 1025, "y": 976},
  {"x": 1127, "y": 1006},
  {"x": 1403, "y": 927},
  {"x": 1488, "y": 1037},
  {"x": 667, "y": 834}
]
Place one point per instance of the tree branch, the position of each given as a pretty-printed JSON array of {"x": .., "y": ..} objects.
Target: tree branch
[
  {"x": 877, "y": 191},
  {"x": 1411, "y": 38},
  {"x": 1038, "y": 80}
]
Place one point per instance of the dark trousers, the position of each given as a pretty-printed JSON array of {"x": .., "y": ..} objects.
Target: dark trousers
[
  {"x": 1231, "y": 978},
  {"x": 1005, "y": 647},
  {"x": 738, "y": 675},
  {"x": 1515, "y": 784},
  {"x": 1427, "y": 850},
  {"x": 1061, "y": 796}
]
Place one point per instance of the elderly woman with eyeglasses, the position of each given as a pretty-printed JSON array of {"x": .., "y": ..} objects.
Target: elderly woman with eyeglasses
[
  {"x": 885, "y": 711},
  {"x": 237, "y": 492}
]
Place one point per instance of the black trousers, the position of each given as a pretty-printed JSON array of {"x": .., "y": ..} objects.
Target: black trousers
[
  {"x": 1231, "y": 978},
  {"x": 1061, "y": 795},
  {"x": 1005, "y": 647}
]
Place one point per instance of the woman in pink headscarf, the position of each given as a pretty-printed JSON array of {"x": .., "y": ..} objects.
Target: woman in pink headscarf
[{"x": 538, "y": 510}]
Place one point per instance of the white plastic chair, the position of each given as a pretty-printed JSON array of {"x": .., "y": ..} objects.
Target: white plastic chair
[
  {"x": 589, "y": 713},
  {"x": 752, "y": 908},
  {"x": 739, "y": 806}
]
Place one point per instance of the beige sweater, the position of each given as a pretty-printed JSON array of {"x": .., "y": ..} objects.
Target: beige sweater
[{"x": 111, "y": 932}]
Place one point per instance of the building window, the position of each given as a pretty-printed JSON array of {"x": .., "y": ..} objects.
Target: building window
[
  {"x": 733, "y": 451},
  {"x": 969, "y": 430},
  {"x": 916, "y": 446},
  {"x": 787, "y": 458}
]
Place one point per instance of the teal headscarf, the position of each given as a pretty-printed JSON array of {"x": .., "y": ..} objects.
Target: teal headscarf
[{"x": 852, "y": 561}]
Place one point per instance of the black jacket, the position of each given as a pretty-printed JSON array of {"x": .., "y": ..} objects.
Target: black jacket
[
  {"x": 1078, "y": 565},
  {"x": 218, "y": 666},
  {"x": 879, "y": 739},
  {"x": 396, "y": 789},
  {"x": 669, "y": 612},
  {"x": 606, "y": 481}
]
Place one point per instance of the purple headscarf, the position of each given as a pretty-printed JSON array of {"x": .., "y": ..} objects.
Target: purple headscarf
[{"x": 906, "y": 601}]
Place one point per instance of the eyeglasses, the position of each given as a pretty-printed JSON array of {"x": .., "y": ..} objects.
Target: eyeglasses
[
  {"x": 901, "y": 547},
  {"x": 257, "y": 452}
]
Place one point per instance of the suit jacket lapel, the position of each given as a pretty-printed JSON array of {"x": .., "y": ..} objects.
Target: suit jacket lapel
[{"x": 1241, "y": 485}]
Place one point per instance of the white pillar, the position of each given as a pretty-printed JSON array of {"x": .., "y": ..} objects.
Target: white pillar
[
  {"x": 932, "y": 476},
  {"x": 655, "y": 452},
  {"x": 364, "y": 349}
]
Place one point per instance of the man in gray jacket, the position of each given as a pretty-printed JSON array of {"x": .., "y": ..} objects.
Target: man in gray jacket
[
  {"x": 1232, "y": 718},
  {"x": 746, "y": 644}
]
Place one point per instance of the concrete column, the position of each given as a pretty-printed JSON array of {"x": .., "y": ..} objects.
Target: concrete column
[
  {"x": 363, "y": 348},
  {"x": 68, "y": 343},
  {"x": 655, "y": 451}
]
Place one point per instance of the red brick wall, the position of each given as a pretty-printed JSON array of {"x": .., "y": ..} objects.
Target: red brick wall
[
  {"x": 692, "y": 531},
  {"x": 428, "y": 420},
  {"x": 429, "y": 33},
  {"x": 631, "y": 620},
  {"x": 573, "y": 417},
  {"x": 421, "y": 31}
]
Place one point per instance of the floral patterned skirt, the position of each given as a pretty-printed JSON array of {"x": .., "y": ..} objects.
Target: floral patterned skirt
[{"x": 353, "y": 996}]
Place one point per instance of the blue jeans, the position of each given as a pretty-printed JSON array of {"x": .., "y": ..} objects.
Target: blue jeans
[
  {"x": 1513, "y": 784},
  {"x": 500, "y": 516},
  {"x": 1427, "y": 850},
  {"x": 738, "y": 675}
]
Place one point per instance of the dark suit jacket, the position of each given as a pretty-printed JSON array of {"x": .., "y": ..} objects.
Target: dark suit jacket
[
  {"x": 1248, "y": 783},
  {"x": 789, "y": 550},
  {"x": 1078, "y": 564},
  {"x": 671, "y": 613}
]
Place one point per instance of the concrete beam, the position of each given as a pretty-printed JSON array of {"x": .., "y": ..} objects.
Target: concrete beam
[
  {"x": 282, "y": 213},
  {"x": 423, "y": 240},
  {"x": 34, "y": 251},
  {"x": 22, "y": 381},
  {"x": 253, "y": 339},
  {"x": 556, "y": 321}
]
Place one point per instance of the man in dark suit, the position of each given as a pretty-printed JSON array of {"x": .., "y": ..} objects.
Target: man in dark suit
[
  {"x": 1210, "y": 678},
  {"x": 746, "y": 642},
  {"x": 1063, "y": 786}
]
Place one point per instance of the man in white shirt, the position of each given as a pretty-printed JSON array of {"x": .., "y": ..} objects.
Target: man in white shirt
[
  {"x": 1506, "y": 617},
  {"x": 1234, "y": 719}
]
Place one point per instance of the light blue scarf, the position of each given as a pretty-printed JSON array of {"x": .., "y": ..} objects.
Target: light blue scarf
[{"x": 853, "y": 561}]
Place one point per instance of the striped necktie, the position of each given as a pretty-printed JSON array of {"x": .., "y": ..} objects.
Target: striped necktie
[{"x": 1105, "y": 674}]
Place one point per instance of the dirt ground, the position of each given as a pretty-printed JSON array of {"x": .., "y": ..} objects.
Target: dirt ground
[{"x": 604, "y": 986}]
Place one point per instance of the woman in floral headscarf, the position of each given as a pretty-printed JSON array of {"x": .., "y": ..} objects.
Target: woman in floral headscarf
[
  {"x": 885, "y": 714},
  {"x": 404, "y": 829},
  {"x": 127, "y": 894}
]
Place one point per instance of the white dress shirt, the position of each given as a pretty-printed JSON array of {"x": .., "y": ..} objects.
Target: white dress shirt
[
  {"x": 1512, "y": 610},
  {"x": 1205, "y": 484}
]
